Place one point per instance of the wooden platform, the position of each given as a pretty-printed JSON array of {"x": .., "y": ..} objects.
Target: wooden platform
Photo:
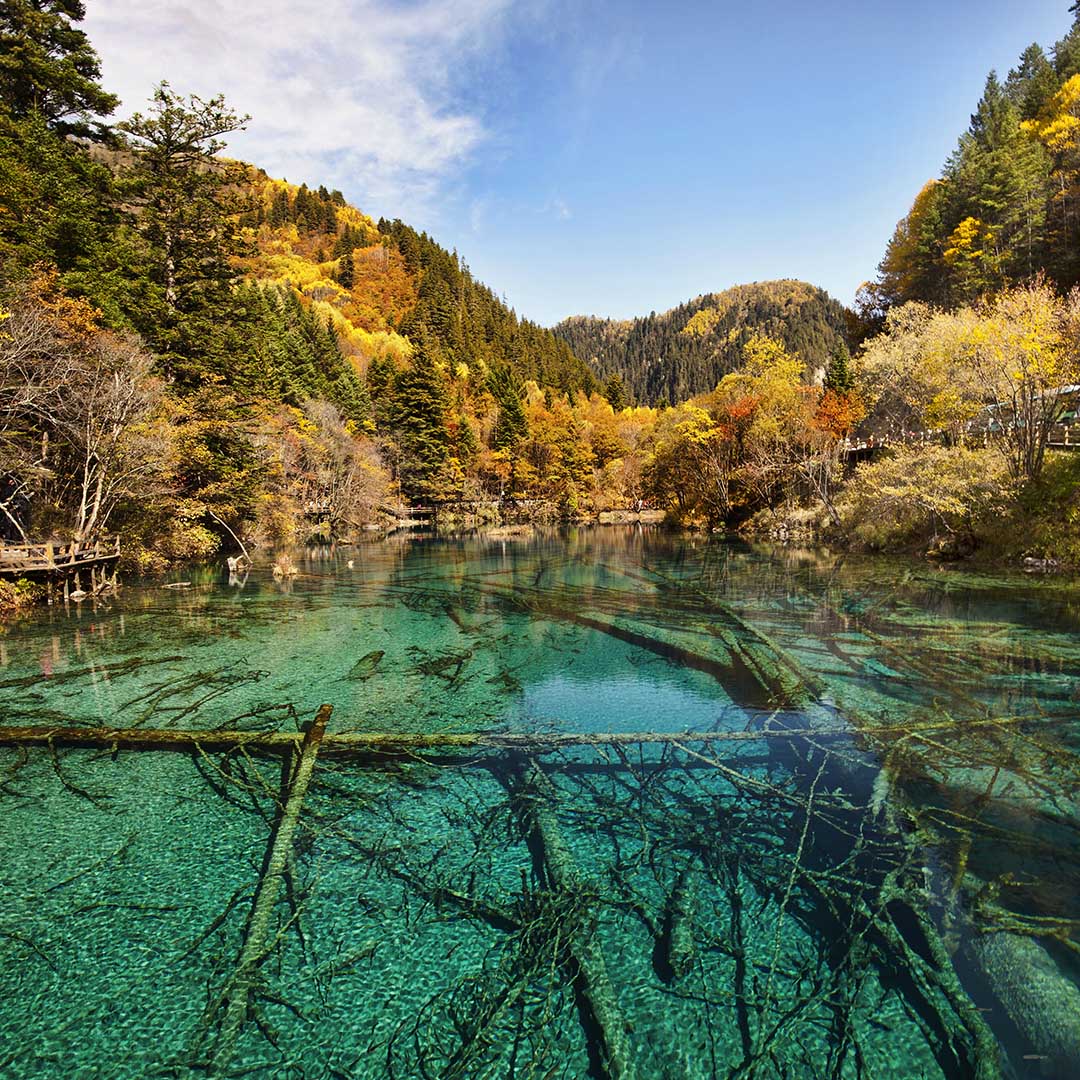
[{"x": 21, "y": 560}]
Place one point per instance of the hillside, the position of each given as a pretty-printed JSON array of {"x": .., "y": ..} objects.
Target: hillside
[
  {"x": 382, "y": 285},
  {"x": 687, "y": 350},
  {"x": 1003, "y": 208},
  {"x": 196, "y": 354}
]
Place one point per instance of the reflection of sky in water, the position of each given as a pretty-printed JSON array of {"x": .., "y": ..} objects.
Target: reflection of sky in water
[
  {"x": 579, "y": 702},
  {"x": 129, "y": 906}
]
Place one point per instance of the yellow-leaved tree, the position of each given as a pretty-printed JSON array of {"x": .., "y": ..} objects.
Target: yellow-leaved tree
[
  {"x": 1023, "y": 346},
  {"x": 1057, "y": 127}
]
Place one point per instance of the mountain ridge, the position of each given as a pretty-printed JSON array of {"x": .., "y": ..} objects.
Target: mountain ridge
[{"x": 684, "y": 351}]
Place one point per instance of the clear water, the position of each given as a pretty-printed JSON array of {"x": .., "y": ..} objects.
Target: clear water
[{"x": 892, "y": 893}]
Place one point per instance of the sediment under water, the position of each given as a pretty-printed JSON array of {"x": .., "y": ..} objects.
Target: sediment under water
[{"x": 894, "y": 894}]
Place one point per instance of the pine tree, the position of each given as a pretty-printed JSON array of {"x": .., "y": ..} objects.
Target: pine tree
[
  {"x": 466, "y": 445},
  {"x": 346, "y": 271},
  {"x": 187, "y": 208},
  {"x": 1032, "y": 83},
  {"x": 280, "y": 210},
  {"x": 615, "y": 392},
  {"x": 49, "y": 67},
  {"x": 419, "y": 423},
  {"x": 839, "y": 374},
  {"x": 381, "y": 377},
  {"x": 511, "y": 426}
]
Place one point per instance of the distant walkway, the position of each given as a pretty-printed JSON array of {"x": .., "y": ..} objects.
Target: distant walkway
[
  {"x": 1060, "y": 437},
  {"x": 17, "y": 560}
]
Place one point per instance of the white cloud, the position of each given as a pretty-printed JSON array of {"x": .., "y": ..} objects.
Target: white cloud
[{"x": 364, "y": 95}]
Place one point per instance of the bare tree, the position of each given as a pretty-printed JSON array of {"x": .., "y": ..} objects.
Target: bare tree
[
  {"x": 77, "y": 412},
  {"x": 342, "y": 476},
  {"x": 113, "y": 448}
]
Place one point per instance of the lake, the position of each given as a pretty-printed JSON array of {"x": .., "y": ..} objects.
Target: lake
[{"x": 847, "y": 848}]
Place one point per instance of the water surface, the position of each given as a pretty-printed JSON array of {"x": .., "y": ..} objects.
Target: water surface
[{"x": 891, "y": 892}]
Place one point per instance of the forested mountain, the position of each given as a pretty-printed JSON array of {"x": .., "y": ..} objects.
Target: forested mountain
[
  {"x": 191, "y": 350},
  {"x": 1007, "y": 204},
  {"x": 670, "y": 357}
]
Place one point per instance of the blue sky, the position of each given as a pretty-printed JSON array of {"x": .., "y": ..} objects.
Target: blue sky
[{"x": 598, "y": 157}]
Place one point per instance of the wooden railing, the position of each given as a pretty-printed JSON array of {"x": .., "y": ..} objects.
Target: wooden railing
[
  {"x": 54, "y": 556},
  {"x": 1065, "y": 436}
]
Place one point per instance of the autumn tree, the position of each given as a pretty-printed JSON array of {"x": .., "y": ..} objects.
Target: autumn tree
[
  {"x": 338, "y": 475},
  {"x": 1024, "y": 351},
  {"x": 80, "y": 412}
]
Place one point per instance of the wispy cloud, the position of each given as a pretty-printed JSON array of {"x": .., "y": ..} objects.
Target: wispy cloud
[
  {"x": 559, "y": 209},
  {"x": 365, "y": 95}
]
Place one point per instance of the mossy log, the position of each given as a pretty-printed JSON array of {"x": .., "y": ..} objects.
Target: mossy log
[
  {"x": 537, "y": 797},
  {"x": 346, "y": 742},
  {"x": 680, "y": 924},
  {"x": 773, "y": 665},
  {"x": 744, "y": 656},
  {"x": 1040, "y": 1000},
  {"x": 236, "y": 998}
]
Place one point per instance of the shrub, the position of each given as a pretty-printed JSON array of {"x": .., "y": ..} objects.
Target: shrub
[{"x": 921, "y": 494}]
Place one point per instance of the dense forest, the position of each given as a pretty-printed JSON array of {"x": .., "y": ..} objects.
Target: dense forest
[
  {"x": 192, "y": 351},
  {"x": 667, "y": 358},
  {"x": 1007, "y": 203},
  {"x": 200, "y": 356}
]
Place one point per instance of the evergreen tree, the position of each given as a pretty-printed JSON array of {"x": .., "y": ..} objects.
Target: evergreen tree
[
  {"x": 346, "y": 271},
  {"x": 280, "y": 210},
  {"x": 466, "y": 445},
  {"x": 48, "y": 67},
  {"x": 381, "y": 378},
  {"x": 511, "y": 426},
  {"x": 839, "y": 374},
  {"x": 56, "y": 206},
  {"x": 1032, "y": 83},
  {"x": 615, "y": 392},
  {"x": 419, "y": 423},
  {"x": 187, "y": 205}
]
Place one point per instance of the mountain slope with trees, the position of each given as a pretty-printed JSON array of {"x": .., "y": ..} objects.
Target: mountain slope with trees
[
  {"x": 1007, "y": 203},
  {"x": 192, "y": 351},
  {"x": 667, "y": 358}
]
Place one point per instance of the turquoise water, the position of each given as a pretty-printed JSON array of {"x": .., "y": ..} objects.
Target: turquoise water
[{"x": 892, "y": 892}]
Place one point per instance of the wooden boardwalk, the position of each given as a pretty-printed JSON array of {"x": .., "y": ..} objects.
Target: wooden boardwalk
[{"x": 49, "y": 559}]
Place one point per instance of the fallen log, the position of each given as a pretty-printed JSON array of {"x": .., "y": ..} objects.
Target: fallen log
[
  {"x": 679, "y": 925},
  {"x": 344, "y": 742},
  {"x": 744, "y": 658},
  {"x": 537, "y": 796},
  {"x": 774, "y": 666},
  {"x": 236, "y": 997}
]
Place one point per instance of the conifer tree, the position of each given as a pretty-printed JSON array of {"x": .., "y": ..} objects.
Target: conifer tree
[
  {"x": 419, "y": 422},
  {"x": 280, "y": 211},
  {"x": 346, "y": 271},
  {"x": 615, "y": 392},
  {"x": 839, "y": 374},
  {"x": 187, "y": 207},
  {"x": 49, "y": 67},
  {"x": 511, "y": 426}
]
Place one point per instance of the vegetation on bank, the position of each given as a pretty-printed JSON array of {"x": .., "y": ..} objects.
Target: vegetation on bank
[{"x": 193, "y": 352}]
